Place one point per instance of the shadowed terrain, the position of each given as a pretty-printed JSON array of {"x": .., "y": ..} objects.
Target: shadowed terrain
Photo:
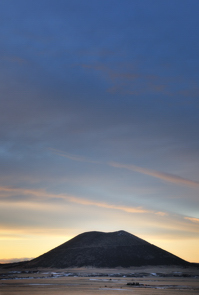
[{"x": 98, "y": 249}]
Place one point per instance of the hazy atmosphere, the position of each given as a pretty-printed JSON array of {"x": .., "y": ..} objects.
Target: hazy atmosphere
[{"x": 99, "y": 117}]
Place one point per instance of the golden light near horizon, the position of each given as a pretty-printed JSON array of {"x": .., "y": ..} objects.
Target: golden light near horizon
[
  {"x": 20, "y": 247},
  {"x": 26, "y": 248},
  {"x": 164, "y": 229},
  {"x": 26, "y": 243}
]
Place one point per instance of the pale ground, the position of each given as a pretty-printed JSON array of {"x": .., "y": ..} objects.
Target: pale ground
[{"x": 101, "y": 281}]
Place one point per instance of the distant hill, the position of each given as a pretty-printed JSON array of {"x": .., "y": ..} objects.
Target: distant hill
[{"x": 108, "y": 250}]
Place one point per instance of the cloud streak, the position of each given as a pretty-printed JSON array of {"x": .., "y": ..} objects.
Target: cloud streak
[
  {"x": 156, "y": 174},
  {"x": 72, "y": 157},
  {"x": 41, "y": 195},
  {"x": 109, "y": 206},
  {"x": 81, "y": 201},
  {"x": 160, "y": 175},
  {"x": 192, "y": 219}
]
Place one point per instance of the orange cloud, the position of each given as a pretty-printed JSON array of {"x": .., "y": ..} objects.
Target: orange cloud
[
  {"x": 108, "y": 206},
  {"x": 163, "y": 176},
  {"x": 22, "y": 191},
  {"x": 192, "y": 219},
  {"x": 82, "y": 201}
]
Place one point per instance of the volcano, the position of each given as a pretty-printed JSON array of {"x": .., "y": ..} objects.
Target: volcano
[{"x": 107, "y": 250}]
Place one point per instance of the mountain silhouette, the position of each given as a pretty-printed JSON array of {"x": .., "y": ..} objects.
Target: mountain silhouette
[{"x": 108, "y": 250}]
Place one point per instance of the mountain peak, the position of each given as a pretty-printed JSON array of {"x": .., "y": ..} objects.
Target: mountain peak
[
  {"x": 99, "y": 249},
  {"x": 121, "y": 232}
]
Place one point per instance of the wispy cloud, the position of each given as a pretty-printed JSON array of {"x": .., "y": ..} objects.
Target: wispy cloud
[
  {"x": 163, "y": 176},
  {"x": 130, "y": 79},
  {"x": 22, "y": 191},
  {"x": 72, "y": 157},
  {"x": 109, "y": 206},
  {"x": 14, "y": 59},
  {"x": 157, "y": 174},
  {"x": 81, "y": 201},
  {"x": 192, "y": 219}
]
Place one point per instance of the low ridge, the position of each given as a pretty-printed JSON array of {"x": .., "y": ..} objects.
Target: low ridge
[{"x": 99, "y": 249}]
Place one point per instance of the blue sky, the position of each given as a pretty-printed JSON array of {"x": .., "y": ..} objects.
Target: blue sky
[{"x": 99, "y": 122}]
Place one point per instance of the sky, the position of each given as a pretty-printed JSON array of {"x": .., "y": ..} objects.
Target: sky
[{"x": 99, "y": 116}]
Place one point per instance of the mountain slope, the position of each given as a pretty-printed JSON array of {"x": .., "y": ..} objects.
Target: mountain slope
[{"x": 100, "y": 249}]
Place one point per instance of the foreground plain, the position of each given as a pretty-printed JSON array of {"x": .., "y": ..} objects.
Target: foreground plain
[{"x": 139, "y": 280}]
